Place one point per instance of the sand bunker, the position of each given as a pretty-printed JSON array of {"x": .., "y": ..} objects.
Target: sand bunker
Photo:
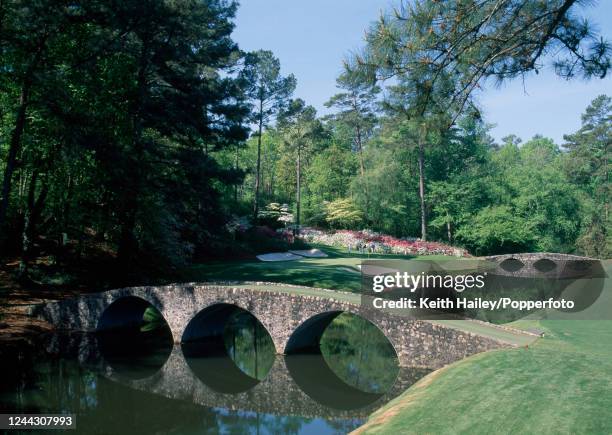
[
  {"x": 310, "y": 253},
  {"x": 278, "y": 256},
  {"x": 292, "y": 255}
]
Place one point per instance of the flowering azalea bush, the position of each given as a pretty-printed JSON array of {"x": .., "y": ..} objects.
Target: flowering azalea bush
[
  {"x": 275, "y": 215},
  {"x": 369, "y": 241}
]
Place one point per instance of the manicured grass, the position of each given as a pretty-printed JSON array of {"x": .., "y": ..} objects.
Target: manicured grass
[
  {"x": 312, "y": 273},
  {"x": 560, "y": 384},
  {"x": 353, "y": 298},
  {"x": 338, "y": 271}
]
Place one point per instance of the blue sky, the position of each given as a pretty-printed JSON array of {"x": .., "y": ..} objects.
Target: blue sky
[{"x": 312, "y": 37}]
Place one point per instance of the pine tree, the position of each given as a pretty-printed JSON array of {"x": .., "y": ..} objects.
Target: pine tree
[{"x": 269, "y": 92}]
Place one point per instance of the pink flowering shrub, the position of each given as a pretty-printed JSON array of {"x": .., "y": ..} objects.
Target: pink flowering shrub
[{"x": 378, "y": 243}]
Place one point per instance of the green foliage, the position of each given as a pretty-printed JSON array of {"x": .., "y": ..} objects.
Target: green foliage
[
  {"x": 529, "y": 203},
  {"x": 152, "y": 320},
  {"x": 438, "y": 54},
  {"x": 497, "y": 229},
  {"x": 123, "y": 109},
  {"x": 343, "y": 213},
  {"x": 351, "y": 346},
  {"x": 268, "y": 91},
  {"x": 126, "y": 128},
  {"x": 330, "y": 173},
  {"x": 447, "y": 49},
  {"x": 588, "y": 167}
]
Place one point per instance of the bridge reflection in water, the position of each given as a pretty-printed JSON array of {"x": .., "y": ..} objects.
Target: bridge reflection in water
[
  {"x": 207, "y": 373},
  {"x": 301, "y": 385},
  {"x": 217, "y": 372}
]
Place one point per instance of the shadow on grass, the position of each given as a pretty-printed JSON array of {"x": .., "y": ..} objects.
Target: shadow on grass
[
  {"x": 290, "y": 272},
  {"x": 338, "y": 271}
]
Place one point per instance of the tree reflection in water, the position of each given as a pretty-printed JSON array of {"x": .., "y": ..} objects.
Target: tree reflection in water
[
  {"x": 354, "y": 349},
  {"x": 359, "y": 354},
  {"x": 249, "y": 345},
  {"x": 352, "y": 370}
]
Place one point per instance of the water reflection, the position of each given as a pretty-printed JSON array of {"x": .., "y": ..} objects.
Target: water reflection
[
  {"x": 135, "y": 354},
  {"x": 359, "y": 354},
  {"x": 314, "y": 377},
  {"x": 135, "y": 381},
  {"x": 249, "y": 345},
  {"x": 212, "y": 365}
]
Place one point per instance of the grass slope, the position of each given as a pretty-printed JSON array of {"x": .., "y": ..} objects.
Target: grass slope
[
  {"x": 337, "y": 272},
  {"x": 560, "y": 384}
]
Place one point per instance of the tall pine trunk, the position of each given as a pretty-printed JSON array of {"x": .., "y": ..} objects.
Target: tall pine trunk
[
  {"x": 298, "y": 190},
  {"x": 362, "y": 172},
  {"x": 422, "y": 190},
  {"x": 128, "y": 244},
  {"x": 14, "y": 148},
  {"x": 360, "y": 152},
  {"x": 31, "y": 216},
  {"x": 236, "y": 169},
  {"x": 258, "y": 167}
]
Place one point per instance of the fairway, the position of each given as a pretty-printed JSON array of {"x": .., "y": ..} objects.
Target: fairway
[
  {"x": 560, "y": 384},
  {"x": 337, "y": 272}
]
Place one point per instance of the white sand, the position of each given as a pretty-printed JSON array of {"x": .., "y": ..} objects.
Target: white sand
[
  {"x": 279, "y": 256},
  {"x": 310, "y": 253}
]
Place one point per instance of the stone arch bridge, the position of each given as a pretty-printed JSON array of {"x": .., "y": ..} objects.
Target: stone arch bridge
[
  {"x": 295, "y": 318},
  {"x": 543, "y": 265}
]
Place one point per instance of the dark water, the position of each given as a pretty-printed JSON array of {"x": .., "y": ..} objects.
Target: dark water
[{"x": 136, "y": 381}]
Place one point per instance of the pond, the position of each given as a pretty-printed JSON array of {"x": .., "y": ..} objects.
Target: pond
[{"x": 135, "y": 380}]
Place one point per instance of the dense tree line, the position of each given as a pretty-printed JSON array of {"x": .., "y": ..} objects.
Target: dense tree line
[
  {"x": 111, "y": 112},
  {"x": 489, "y": 197},
  {"x": 126, "y": 124}
]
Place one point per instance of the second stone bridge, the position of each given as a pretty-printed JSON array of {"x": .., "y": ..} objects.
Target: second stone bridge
[{"x": 295, "y": 318}]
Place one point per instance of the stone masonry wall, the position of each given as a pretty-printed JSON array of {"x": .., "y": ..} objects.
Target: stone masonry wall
[{"x": 417, "y": 343}]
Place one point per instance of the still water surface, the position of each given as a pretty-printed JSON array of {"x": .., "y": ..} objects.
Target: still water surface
[{"x": 136, "y": 381}]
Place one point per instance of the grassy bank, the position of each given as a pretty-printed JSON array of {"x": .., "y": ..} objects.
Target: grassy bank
[
  {"x": 560, "y": 384},
  {"x": 338, "y": 271}
]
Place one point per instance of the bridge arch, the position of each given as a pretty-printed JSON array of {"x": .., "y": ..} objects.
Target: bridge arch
[
  {"x": 129, "y": 350},
  {"x": 329, "y": 381},
  {"x": 229, "y": 371},
  {"x": 512, "y": 264},
  {"x": 211, "y": 320},
  {"x": 544, "y": 265},
  {"x": 125, "y": 312},
  {"x": 306, "y": 338}
]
